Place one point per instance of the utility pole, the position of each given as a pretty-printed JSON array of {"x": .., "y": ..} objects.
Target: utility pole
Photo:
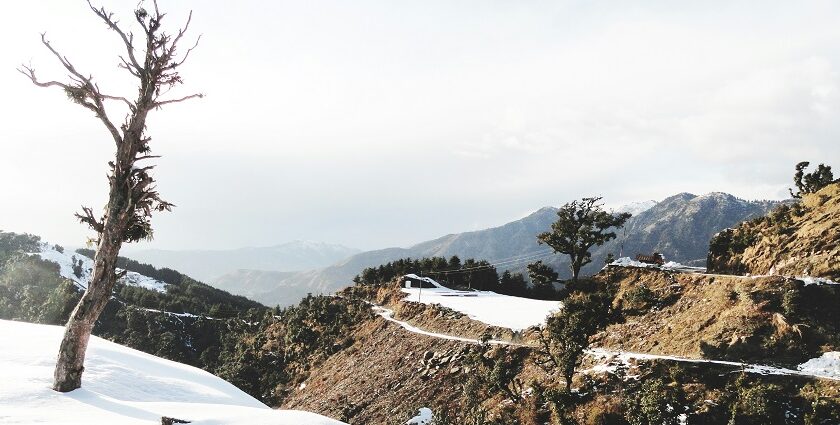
[{"x": 420, "y": 292}]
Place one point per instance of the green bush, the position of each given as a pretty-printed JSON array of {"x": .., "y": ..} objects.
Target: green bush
[
  {"x": 639, "y": 299},
  {"x": 756, "y": 403},
  {"x": 655, "y": 403}
]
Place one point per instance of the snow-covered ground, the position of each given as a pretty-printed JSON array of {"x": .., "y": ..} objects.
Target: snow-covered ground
[
  {"x": 826, "y": 365},
  {"x": 677, "y": 267},
  {"x": 670, "y": 265},
  {"x": 120, "y": 386},
  {"x": 488, "y": 307},
  {"x": 68, "y": 263},
  {"x": 388, "y": 315}
]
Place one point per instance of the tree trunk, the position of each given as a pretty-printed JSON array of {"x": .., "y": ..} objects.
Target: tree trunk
[
  {"x": 119, "y": 211},
  {"x": 71, "y": 355},
  {"x": 575, "y": 266}
]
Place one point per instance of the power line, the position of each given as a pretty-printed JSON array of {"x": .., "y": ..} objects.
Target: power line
[{"x": 527, "y": 258}]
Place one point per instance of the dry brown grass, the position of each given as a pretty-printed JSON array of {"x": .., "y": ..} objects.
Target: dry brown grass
[{"x": 693, "y": 311}]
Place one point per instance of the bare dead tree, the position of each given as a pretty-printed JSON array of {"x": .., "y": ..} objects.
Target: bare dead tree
[{"x": 132, "y": 194}]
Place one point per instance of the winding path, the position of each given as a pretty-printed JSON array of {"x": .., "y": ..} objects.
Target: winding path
[{"x": 601, "y": 353}]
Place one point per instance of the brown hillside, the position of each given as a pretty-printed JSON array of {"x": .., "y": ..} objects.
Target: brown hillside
[
  {"x": 383, "y": 377},
  {"x": 388, "y": 372},
  {"x": 761, "y": 319},
  {"x": 794, "y": 240}
]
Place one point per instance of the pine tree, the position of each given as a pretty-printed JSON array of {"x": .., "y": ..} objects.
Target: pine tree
[{"x": 811, "y": 182}]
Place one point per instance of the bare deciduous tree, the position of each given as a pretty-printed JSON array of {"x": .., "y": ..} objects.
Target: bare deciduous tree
[{"x": 132, "y": 194}]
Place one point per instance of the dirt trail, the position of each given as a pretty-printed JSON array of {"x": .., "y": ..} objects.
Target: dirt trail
[{"x": 601, "y": 353}]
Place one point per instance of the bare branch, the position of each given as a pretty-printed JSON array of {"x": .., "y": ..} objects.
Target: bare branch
[
  {"x": 128, "y": 39},
  {"x": 77, "y": 94},
  {"x": 186, "y": 55},
  {"x": 65, "y": 62},
  {"x": 84, "y": 93},
  {"x": 128, "y": 67},
  {"x": 166, "y": 102},
  {"x": 30, "y": 73},
  {"x": 90, "y": 220},
  {"x": 120, "y": 98},
  {"x": 183, "y": 30}
]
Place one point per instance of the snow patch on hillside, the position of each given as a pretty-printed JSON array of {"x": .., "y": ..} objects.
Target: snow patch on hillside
[
  {"x": 80, "y": 273},
  {"x": 826, "y": 365},
  {"x": 424, "y": 417},
  {"x": 488, "y": 307},
  {"x": 670, "y": 265},
  {"x": 120, "y": 386},
  {"x": 810, "y": 280},
  {"x": 612, "y": 361}
]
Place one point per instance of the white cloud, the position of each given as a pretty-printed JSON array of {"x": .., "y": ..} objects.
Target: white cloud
[{"x": 343, "y": 122}]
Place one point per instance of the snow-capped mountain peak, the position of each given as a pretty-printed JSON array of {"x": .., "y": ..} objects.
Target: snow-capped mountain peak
[{"x": 635, "y": 208}]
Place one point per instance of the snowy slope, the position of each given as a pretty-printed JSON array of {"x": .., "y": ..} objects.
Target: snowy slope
[
  {"x": 120, "y": 386},
  {"x": 66, "y": 262},
  {"x": 635, "y": 208},
  {"x": 488, "y": 307}
]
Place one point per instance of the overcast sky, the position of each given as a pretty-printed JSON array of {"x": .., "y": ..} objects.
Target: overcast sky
[{"x": 385, "y": 123}]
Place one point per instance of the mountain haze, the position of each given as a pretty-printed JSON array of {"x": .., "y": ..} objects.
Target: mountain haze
[
  {"x": 208, "y": 265},
  {"x": 680, "y": 227}
]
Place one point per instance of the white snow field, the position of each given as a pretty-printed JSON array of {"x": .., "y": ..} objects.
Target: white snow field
[
  {"x": 67, "y": 260},
  {"x": 488, "y": 307},
  {"x": 120, "y": 386}
]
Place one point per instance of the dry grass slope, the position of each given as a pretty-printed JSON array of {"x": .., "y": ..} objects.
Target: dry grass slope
[{"x": 802, "y": 240}]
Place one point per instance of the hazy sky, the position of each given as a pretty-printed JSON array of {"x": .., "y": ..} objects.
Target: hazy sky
[{"x": 380, "y": 123}]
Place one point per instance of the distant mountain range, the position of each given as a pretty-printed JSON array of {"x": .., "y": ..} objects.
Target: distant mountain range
[
  {"x": 680, "y": 227},
  {"x": 208, "y": 265}
]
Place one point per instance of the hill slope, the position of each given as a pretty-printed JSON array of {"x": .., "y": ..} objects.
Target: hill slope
[
  {"x": 121, "y": 386},
  {"x": 679, "y": 227},
  {"x": 798, "y": 240}
]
